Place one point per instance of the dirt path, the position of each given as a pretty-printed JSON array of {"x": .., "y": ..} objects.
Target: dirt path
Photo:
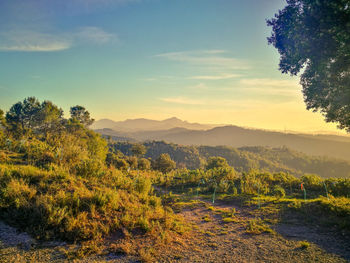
[
  {"x": 218, "y": 241},
  {"x": 219, "y": 235},
  {"x": 20, "y": 247}
]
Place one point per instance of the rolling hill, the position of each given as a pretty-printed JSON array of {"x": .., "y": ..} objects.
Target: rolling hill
[
  {"x": 245, "y": 159},
  {"x": 317, "y": 145}
]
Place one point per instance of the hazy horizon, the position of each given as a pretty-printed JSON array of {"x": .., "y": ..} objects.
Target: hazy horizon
[
  {"x": 312, "y": 132},
  {"x": 201, "y": 61}
]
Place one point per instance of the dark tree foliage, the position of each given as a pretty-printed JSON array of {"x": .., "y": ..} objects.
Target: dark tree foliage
[
  {"x": 132, "y": 161},
  {"x": 187, "y": 156},
  {"x": 216, "y": 162},
  {"x": 138, "y": 149},
  {"x": 2, "y": 118},
  {"x": 50, "y": 118},
  {"x": 31, "y": 116},
  {"x": 116, "y": 161},
  {"x": 2, "y": 126},
  {"x": 144, "y": 164},
  {"x": 22, "y": 116},
  {"x": 314, "y": 35},
  {"x": 80, "y": 114},
  {"x": 164, "y": 163}
]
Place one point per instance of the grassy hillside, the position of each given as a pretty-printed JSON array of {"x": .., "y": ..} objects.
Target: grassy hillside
[{"x": 55, "y": 184}]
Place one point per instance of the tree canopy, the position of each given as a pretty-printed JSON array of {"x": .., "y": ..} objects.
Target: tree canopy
[
  {"x": 31, "y": 116},
  {"x": 138, "y": 149},
  {"x": 2, "y": 118},
  {"x": 80, "y": 114},
  {"x": 314, "y": 35},
  {"x": 216, "y": 162},
  {"x": 44, "y": 136},
  {"x": 164, "y": 163}
]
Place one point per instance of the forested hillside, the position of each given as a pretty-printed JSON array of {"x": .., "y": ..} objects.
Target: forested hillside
[
  {"x": 234, "y": 136},
  {"x": 245, "y": 158}
]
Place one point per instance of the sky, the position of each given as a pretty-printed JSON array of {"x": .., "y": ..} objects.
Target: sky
[{"x": 204, "y": 61}]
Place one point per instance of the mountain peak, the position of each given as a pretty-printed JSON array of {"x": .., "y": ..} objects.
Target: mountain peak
[
  {"x": 142, "y": 124},
  {"x": 173, "y": 119}
]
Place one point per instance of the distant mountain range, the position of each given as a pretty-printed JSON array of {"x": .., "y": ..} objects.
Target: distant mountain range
[
  {"x": 133, "y": 125},
  {"x": 176, "y": 131}
]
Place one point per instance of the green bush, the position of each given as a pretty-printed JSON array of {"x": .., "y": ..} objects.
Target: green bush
[
  {"x": 89, "y": 168},
  {"x": 278, "y": 191},
  {"x": 144, "y": 164},
  {"x": 338, "y": 187},
  {"x": 312, "y": 182},
  {"x": 116, "y": 161},
  {"x": 132, "y": 161},
  {"x": 36, "y": 152}
]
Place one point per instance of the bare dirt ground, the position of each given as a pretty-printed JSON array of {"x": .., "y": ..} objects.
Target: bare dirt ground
[
  {"x": 218, "y": 241},
  {"x": 213, "y": 239}
]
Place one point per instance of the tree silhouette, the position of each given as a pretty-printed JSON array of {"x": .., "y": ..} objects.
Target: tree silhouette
[{"x": 314, "y": 35}]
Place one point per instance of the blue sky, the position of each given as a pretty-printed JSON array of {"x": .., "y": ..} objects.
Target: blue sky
[{"x": 200, "y": 60}]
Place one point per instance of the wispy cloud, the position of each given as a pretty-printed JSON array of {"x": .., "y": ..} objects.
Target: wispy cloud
[
  {"x": 221, "y": 103},
  {"x": 276, "y": 91},
  {"x": 200, "y": 86},
  {"x": 159, "y": 78},
  {"x": 206, "y": 58},
  {"x": 216, "y": 77},
  {"x": 183, "y": 100},
  {"x": 214, "y": 51},
  {"x": 272, "y": 86},
  {"x": 32, "y": 41},
  {"x": 266, "y": 82},
  {"x": 95, "y": 35}
]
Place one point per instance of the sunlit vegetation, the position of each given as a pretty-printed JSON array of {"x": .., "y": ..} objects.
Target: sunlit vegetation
[
  {"x": 304, "y": 244},
  {"x": 325, "y": 201},
  {"x": 257, "y": 226},
  {"x": 243, "y": 159},
  {"x": 60, "y": 180}
]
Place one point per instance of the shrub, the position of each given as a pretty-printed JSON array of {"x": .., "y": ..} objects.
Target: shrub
[
  {"x": 278, "y": 191},
  {"x": 116, "y": 161},
  {"x": 132, "y": 161},
  {"x": 37, "y": 152},
  {"x": 89, "y": 168},
  {"x": 164, "y": 163},
  {"x": 216, "y": 162},
  {"x": 338, "y": 187},
  {"x": 304, "y": 244},
  {"x": 143, "y": 185},
  {"x": 144, "y": 164},
  {"x": 257, "y": 226},
  {"x": 312, "y": 182},
  {"x": 59, "y": 205}
]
